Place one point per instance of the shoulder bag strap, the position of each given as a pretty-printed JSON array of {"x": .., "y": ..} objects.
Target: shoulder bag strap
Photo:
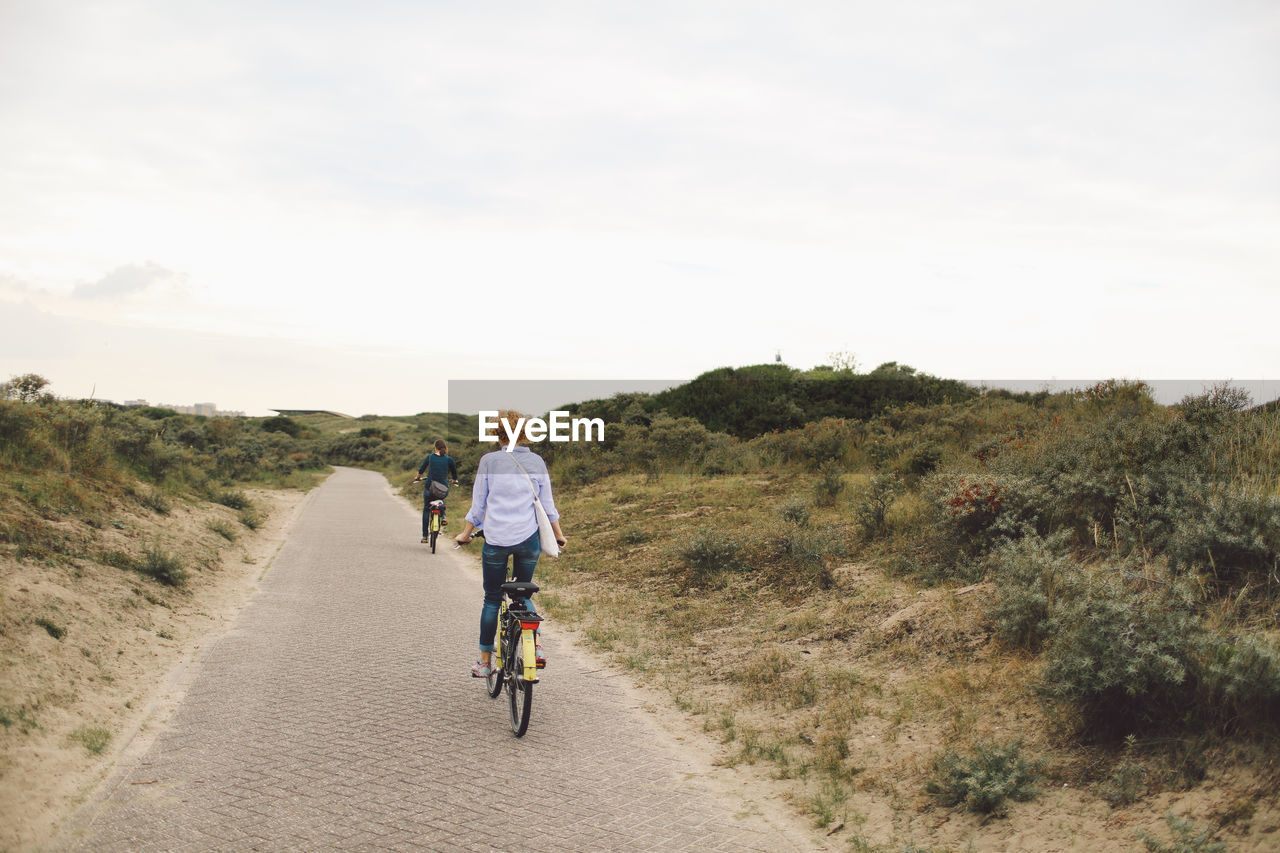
[{"x": 532, "y": 487}]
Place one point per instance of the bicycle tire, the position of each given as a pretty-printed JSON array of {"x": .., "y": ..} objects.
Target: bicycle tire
[
  {"x": 493, "y": 682},
  {"x": 434, "y": 534},
  {"x": 519, "y": 691}
]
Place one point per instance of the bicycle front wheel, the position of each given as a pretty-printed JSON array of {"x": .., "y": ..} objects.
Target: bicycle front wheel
[
  {"x": 493, "y": 682},
  {"x": 519, "y": 691}
]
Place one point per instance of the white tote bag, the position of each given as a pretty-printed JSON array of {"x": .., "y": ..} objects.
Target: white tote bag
[{"x": 548, "y": 536}]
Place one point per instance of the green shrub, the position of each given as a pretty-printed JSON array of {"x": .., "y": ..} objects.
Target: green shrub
[
  {"x": 872, "y": 508},
  {"x": 283, "y": 424},
  {"x": 975, "y": 514},
  {"x": 1235, "y": 535},
  {"x": 829, "y": 439},
  {"x": 160, "y": 565},
  {"x": 921, "y": 458},
  {"x": 156, "y": 502},
  {"x": 220, "y": 527},
  {"x": 1127, "y": 780},
  {"x": 232, "y": 499},
  {"x": 830, "y": 483},
  {"x": 1125, "y": 656},
  {"x": 634, "y": 534},
  {"x": 250, "y": 517},
  {"x": 118, "y": 559},
  {"x": 984, "y": 780},
  {"x": 577, "y": 469},
  {"x": 55, "y": 631},
  {"x": 1187, "y": 838},
  {"x": 795, "y": 512},
  {"x": 93, "y": 738},
  {"x": 709, "y": 551},
  {"x": 1031, "y": 578},
  {"x": 728, "y": 458},
  {"x": 27, "y": 388},
  {"x": 1241, "y": 681},
  {"x": 802, "y": 557}
]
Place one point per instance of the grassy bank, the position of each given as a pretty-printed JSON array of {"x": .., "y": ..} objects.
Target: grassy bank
[
  {"x": 125, "y": 536},
  {"x": 952, "y": 621}
]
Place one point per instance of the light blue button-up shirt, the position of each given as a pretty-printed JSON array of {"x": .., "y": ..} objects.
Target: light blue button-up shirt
[{"x": 502, "y": 500}]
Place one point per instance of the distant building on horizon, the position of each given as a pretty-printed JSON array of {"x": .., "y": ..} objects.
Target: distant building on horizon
[
  {"x": 288, "y": 412},
  {"x": 209, "y": 410}
]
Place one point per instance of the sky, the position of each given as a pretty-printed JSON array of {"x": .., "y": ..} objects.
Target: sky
[{"x": 286, "y": 204}]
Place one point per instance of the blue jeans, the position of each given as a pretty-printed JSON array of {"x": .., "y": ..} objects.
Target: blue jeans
[{"x": 493, "y": 562}]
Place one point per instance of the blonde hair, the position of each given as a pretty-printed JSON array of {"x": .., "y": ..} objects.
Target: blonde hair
[{"x": 507, "y": 419}]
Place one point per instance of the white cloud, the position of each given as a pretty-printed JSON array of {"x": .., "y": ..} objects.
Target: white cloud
[{"x": 128, "y": 280}]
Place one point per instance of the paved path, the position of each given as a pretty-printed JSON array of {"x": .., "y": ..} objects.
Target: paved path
[{"x": 337, "y": 713}]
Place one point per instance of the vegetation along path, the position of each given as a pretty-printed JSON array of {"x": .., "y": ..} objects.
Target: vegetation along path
[{"x": 337, "y": 712}]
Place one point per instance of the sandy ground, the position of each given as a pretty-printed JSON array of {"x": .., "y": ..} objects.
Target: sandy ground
[{"x": 115, "y": 675}]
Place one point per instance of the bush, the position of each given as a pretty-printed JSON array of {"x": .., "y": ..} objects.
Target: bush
[
  {"x": 921, "y": 458},
  {"x": 158, "y": 564},
  {"x": 1187, "y": 838},
  {"x": 27, "y": 388},
  {"x": 1125, "y": 657},
  {"x": 232, "y": 499},
  {"x": 220, "y": 527},
  {"x": 795, "y": 512},
  {"x": 53, "y": 630},
  {"x": 874, "y": 502},
  {"x": 984, "y": 780},
  {"x": 156, "y": 502},
  {"x": 802, "y": 556},
  {"x": 1241, "y": 682},
  {"x": 93, "y": 738},
  {"x": 634, "y": 535},
  {"x": 284, "y": 424},
  {"x": 1127, "y": 779},
  {"x": 1235, "y": 535},
  {"x": 830, "y": 483},
  {"x": 709, "y": 551},
  {"x": 829, "y": 439},
  {"x": 1031, "y": 578},
  {"x": 250, "y": 517}
]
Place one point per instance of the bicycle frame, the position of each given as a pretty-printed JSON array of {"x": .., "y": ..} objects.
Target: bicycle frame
[
  {"x": 518, "y": 672},
  {"x": 528, "y": 623}
]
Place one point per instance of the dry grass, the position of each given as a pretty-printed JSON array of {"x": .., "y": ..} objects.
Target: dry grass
[{"x": 848, "y": 695}]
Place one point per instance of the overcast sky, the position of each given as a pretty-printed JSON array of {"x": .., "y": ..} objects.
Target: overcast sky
[{"x": 344, "y": 205}]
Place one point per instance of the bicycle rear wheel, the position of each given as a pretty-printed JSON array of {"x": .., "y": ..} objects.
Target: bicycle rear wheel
[
  {"x": 434, "y": 534},
  {"x": 519, "y": 691}
]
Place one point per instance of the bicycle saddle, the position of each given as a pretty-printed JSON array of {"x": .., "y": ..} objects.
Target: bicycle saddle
[{"x": 515, "y": 589}]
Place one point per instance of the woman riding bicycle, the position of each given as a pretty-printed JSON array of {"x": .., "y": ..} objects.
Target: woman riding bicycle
[
  {"x": 441, "y": 469},
  {"x": 502, "y": 500}
]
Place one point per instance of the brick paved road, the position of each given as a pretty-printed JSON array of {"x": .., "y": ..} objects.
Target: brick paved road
[{"x": 337, "y": 713}]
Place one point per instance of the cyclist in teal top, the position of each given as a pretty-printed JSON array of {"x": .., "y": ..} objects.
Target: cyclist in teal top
[{"x": 440, "y": 468}]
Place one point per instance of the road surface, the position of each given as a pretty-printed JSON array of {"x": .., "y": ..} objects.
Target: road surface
[{"x": 337, "y": 713}]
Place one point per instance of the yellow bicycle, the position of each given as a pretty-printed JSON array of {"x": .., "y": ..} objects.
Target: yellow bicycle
[{"x": 515, "y": 661}]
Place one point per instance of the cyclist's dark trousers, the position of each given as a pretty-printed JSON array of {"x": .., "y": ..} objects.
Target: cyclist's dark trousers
[
  {"x": 426, "y": 511},
  {"x": 493, "y": 561}
]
